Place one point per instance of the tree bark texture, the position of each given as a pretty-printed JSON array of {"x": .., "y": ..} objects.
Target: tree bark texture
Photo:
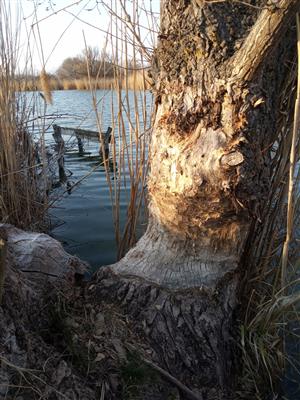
[
  {"x": 190, "y": 331},
  {"x": 218, "y": 68}
]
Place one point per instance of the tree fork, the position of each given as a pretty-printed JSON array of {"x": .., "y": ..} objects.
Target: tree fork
[{"x": 217, "y": 79}]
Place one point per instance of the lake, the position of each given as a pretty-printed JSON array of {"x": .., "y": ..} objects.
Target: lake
[{"x": 82, "y": 217}]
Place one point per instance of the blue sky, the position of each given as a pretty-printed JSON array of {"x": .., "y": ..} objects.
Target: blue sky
[{"x": 55, "y": 29}]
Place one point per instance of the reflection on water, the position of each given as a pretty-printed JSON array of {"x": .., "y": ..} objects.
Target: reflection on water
[{"x": 83, "y": 217}]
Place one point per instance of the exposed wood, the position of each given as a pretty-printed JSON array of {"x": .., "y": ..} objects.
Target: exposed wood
[
  {"x": 173, "y": 262},
  {"x": 232, "y": 159},
  {"x": 209, "y": 176}
]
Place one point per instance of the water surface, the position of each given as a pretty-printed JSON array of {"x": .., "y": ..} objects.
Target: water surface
[{"x": 83, "y": 218}]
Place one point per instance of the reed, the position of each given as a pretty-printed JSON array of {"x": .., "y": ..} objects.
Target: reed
[
  {"x": 68, "y": 85},
  {"x": 46, "y": 84},
  {"x": 22, "y": 200},
  {"x": 81, "y": 84},
  {"x": 131, "y": 106},
  {"x": 137, "y": 80}
]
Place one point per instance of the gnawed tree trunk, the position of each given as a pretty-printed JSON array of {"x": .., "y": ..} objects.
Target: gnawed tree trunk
[{"x": 218, "y": 68}]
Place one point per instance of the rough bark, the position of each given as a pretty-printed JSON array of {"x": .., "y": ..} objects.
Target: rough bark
[
  {"x": 217, "y": 78},
  {"x": 190, "y": 331}
]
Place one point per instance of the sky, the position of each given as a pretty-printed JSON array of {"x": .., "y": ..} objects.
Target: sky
[{"x": 57, "y": 29}]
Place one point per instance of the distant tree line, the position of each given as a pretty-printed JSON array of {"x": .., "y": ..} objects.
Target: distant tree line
[
  {"x": 92, "y": 62},
  {"x": 74, "y": 73}
]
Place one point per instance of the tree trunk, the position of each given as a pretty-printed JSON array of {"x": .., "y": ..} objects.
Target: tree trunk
[{"x": 218, "y": 68}]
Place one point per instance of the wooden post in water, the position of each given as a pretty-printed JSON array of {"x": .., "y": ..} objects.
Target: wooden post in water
[
  {"x": 60, "y": 149},
  {"x": 36, "y": 153},
  {"x": 80, "y": 143},
  {"x": 106, "y": 139}
]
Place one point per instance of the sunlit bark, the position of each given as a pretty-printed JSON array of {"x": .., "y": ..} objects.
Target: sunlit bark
[{"x": 218, "y": 69}]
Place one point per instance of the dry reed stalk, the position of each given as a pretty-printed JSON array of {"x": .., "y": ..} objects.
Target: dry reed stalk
[
  {"x": 129, "y": 115},
  {"x": 80, "y": 84},
  {"x": 130, "y": 125},
  {"x": 92, "y": 89},
  {"x": 136, "y": 81},
  {"x": 22, "y": 201},
  {"x": 45, "y": 86},
  {"x": 68, "y": 84},
  {"x": 55, "y": 84}
]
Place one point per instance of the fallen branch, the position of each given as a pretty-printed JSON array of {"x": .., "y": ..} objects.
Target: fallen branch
[{"x": 170, "y": 378}]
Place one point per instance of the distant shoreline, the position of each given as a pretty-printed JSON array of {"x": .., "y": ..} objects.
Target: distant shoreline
[{"x": 132, "y": 82}]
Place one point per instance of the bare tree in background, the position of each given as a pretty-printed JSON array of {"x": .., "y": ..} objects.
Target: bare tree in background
[{"x": 92, "y": 62}]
